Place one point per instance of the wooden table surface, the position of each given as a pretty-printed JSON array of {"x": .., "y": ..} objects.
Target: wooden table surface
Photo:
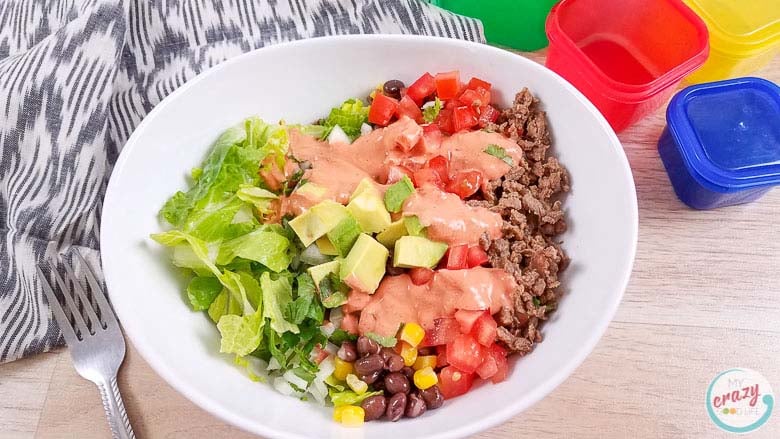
[{"x": 704, "y": 297}]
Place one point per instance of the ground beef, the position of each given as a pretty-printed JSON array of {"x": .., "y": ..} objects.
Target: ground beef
[{"x": 528, "y": 200}]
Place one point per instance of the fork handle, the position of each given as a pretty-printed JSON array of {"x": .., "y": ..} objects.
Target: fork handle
[{"x": 115, "y": 410}]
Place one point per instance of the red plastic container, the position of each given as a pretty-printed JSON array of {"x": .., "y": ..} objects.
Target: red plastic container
[{"x": 626, "y": 56}]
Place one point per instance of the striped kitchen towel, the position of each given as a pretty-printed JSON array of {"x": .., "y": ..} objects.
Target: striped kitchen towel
[{"x": 76, "y": 76}]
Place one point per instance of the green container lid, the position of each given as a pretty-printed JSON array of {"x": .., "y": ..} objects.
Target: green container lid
[{"x": 518, "y": 24}]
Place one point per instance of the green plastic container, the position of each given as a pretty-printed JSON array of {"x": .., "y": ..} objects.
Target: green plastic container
[{"x": 518, "y": 24}]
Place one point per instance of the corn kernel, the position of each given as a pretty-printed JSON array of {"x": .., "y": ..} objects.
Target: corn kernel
[
  {"x": 342, "y": 369},
  {"x": 425, "y": 378},
  {"x": 408, "y": 353},
  {"x": 356, "y": 384},
  {"x": 424, "y": 361},
  {"x": 412, "y": 333},
  {"x": 349, "y": 415}
]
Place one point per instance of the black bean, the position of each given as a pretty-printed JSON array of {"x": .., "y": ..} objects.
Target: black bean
[
  {"x": 432, "y": 397},
  {"x": 393, "y": 88},
  {"x": 396, "y": 382},
  {"x": 374, "y": 406},
  {"x": 369, "y": 364},
  {"x": 394, "y": 363},
  {"x": 347, "y": 352},
  {"x": 415, "y": 407},
  {"x": 366, "y": 346},
  {"x": 370, "y": 378},
  {"x": 396, "y": 406},
  {"x": 408, "y": 372}
]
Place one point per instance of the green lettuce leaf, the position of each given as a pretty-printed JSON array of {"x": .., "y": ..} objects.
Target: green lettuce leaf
[
  {"x": 224, "y": 304},
  {"x": 189, "y": 251},
  {"x": 202, "y": 290},
  {"x": 350, "y": 116},
  {"x": 244, "y": 289},
  {"x": 241, "y": 335},
  {"x": 277, "y": 294},
  {"x": 348, "y": 397},
  {"x": 258, "y": 197},
  {"x": 431, "y": 113},
  {"x": 263, "y": 245}
]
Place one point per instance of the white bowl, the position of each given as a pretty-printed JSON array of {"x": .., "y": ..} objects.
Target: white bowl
[{"x": 300, "y": 82}]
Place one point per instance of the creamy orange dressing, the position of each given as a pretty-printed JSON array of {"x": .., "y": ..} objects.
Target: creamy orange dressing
[
  {"x": 449, "y": 219},
  {"x": 398, "y": 300},
  {"x": 467, "y": 151}
]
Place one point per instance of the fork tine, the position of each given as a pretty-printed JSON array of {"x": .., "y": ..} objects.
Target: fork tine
[
  {"x": 56, "y": 309},
  {"x": 81, "y": 325},
  {"x": 82, "y": 296},
  {"x": 97, "y": 292}
]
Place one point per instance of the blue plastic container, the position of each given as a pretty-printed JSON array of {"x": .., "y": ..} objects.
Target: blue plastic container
[{"x": 721, "y": 145}]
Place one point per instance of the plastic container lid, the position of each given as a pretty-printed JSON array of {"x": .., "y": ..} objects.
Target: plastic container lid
[
  {"x": 740, "y": 26},
  {"x": 728, "y": 132}
]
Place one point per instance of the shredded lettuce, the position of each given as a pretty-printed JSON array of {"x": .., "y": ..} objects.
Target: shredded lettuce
[
  {"x": 350, "y": 116},
  {"x": 277, "y": 295},
  {"x": 262, "y": 245},
  {"x": 348, "y": 397},
  {"x": 241, "y": 335},
  {"x": 202, "y": 290},
  {"x": 431, "y": 113}
]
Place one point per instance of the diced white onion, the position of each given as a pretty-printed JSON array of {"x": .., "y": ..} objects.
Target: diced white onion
[
  {"x": 336, "y": 316},
  {"x": 327, "y": 366},
  {"x": 331, "y": 348},
  {"x": 273, "y": 364},
  {"x": 328, "y": 329},
  {"x": 294, "y": 379},
  {"x": 257, "y": 366},
  {"x": 313, "y": 256},
  {"x": 282, "y": 386},
  {"x": 337, "y": 135},
  {"x": 365, "y": 129},
  {"x": 429, "y": 104}
]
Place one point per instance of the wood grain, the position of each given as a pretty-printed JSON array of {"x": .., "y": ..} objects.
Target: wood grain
[{"x": 704, "y": 296}]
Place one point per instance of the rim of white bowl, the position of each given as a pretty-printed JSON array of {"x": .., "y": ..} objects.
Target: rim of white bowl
[{"x": 212, "y": 406}]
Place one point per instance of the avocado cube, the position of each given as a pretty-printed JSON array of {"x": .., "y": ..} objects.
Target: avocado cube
[
  {"x": 416, "y": 251},
  {"x": 326, "y": 247},
  {"x": 311, "y": 191},
  {"x": 413, "y": 226},
  {"x": 320, "y": 272},
  {"x": 317, "y": 221},
  {"x": 364, "y": 266},
  {"x": 344, "y": 235},
  {"x": 368, "y": 208},
  {"x": 391, "y": 234},
  {"x": 365, "y": 184},
  {"x": 397, "y": 193}
]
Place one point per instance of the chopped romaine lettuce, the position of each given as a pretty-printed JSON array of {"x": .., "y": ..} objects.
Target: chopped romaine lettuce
[
  {"x": 277, "y": 294},
  {"x": 262, "y": 245},
  {"x": 241, "y": 335},
  {"x": 350, "y": 116},
  {"x": 202, "y": 290},
  {"x": 431, "y": 113},
  {"x": 348, "y": 397}
]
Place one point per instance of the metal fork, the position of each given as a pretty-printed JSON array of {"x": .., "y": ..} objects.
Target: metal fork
[{"x": 96, "y": 344}]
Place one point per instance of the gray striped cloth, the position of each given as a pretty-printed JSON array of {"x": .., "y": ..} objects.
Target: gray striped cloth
[{"x": 76, "y": 76}]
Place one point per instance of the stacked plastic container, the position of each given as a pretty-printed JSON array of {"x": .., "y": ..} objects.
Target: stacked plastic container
[
  {"x": 722, "y": 143},
  {"x": 744, "y": 36},
  {"x": 626, "y": 56}
]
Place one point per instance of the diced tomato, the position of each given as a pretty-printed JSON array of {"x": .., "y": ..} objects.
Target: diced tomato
[
  {"x": 488, "y": 368},
  {"x": 408, "y": 107},
  {"x": 350, "y": 323},
  {"x": 465, "y": 184},
  {"x": 443, "y": 331},
  {"x": 441, "y": 165},
  {"x": 431, "y": 139},
  {"x": 421, "y": 275},
  {"x": 382, "y": 110},
  {"x": 454, "y": 382},
  {"x": 444, "y": 120},
  {"x": 485, "y": 330},
  {"x": 441, "y": 356},
  {"x": 475, "y": 98},
  {"x": 499, "y": 356},
  {"x": 447, "y": 84},
  {"x": 396, "y": 173},
  {"x": 475, "y": 83},
  {"x": 463, "y": 118},
  {"x": 427, "y": 176},
  {"x": 421, "y": 88},
  {"x": 487, "y": 114},
  {"x": 356, "y": 301},
  {"x": 466, "y": 319},
  {"x": 465, "y": 353},
  {"x": 318, "y": 354},
  {"x": 455, "y": 258},
  {"x": 476, "y": 256}
]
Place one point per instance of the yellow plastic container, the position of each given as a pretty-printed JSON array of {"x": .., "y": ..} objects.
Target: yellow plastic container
[{"x": 744, "y": 36}]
